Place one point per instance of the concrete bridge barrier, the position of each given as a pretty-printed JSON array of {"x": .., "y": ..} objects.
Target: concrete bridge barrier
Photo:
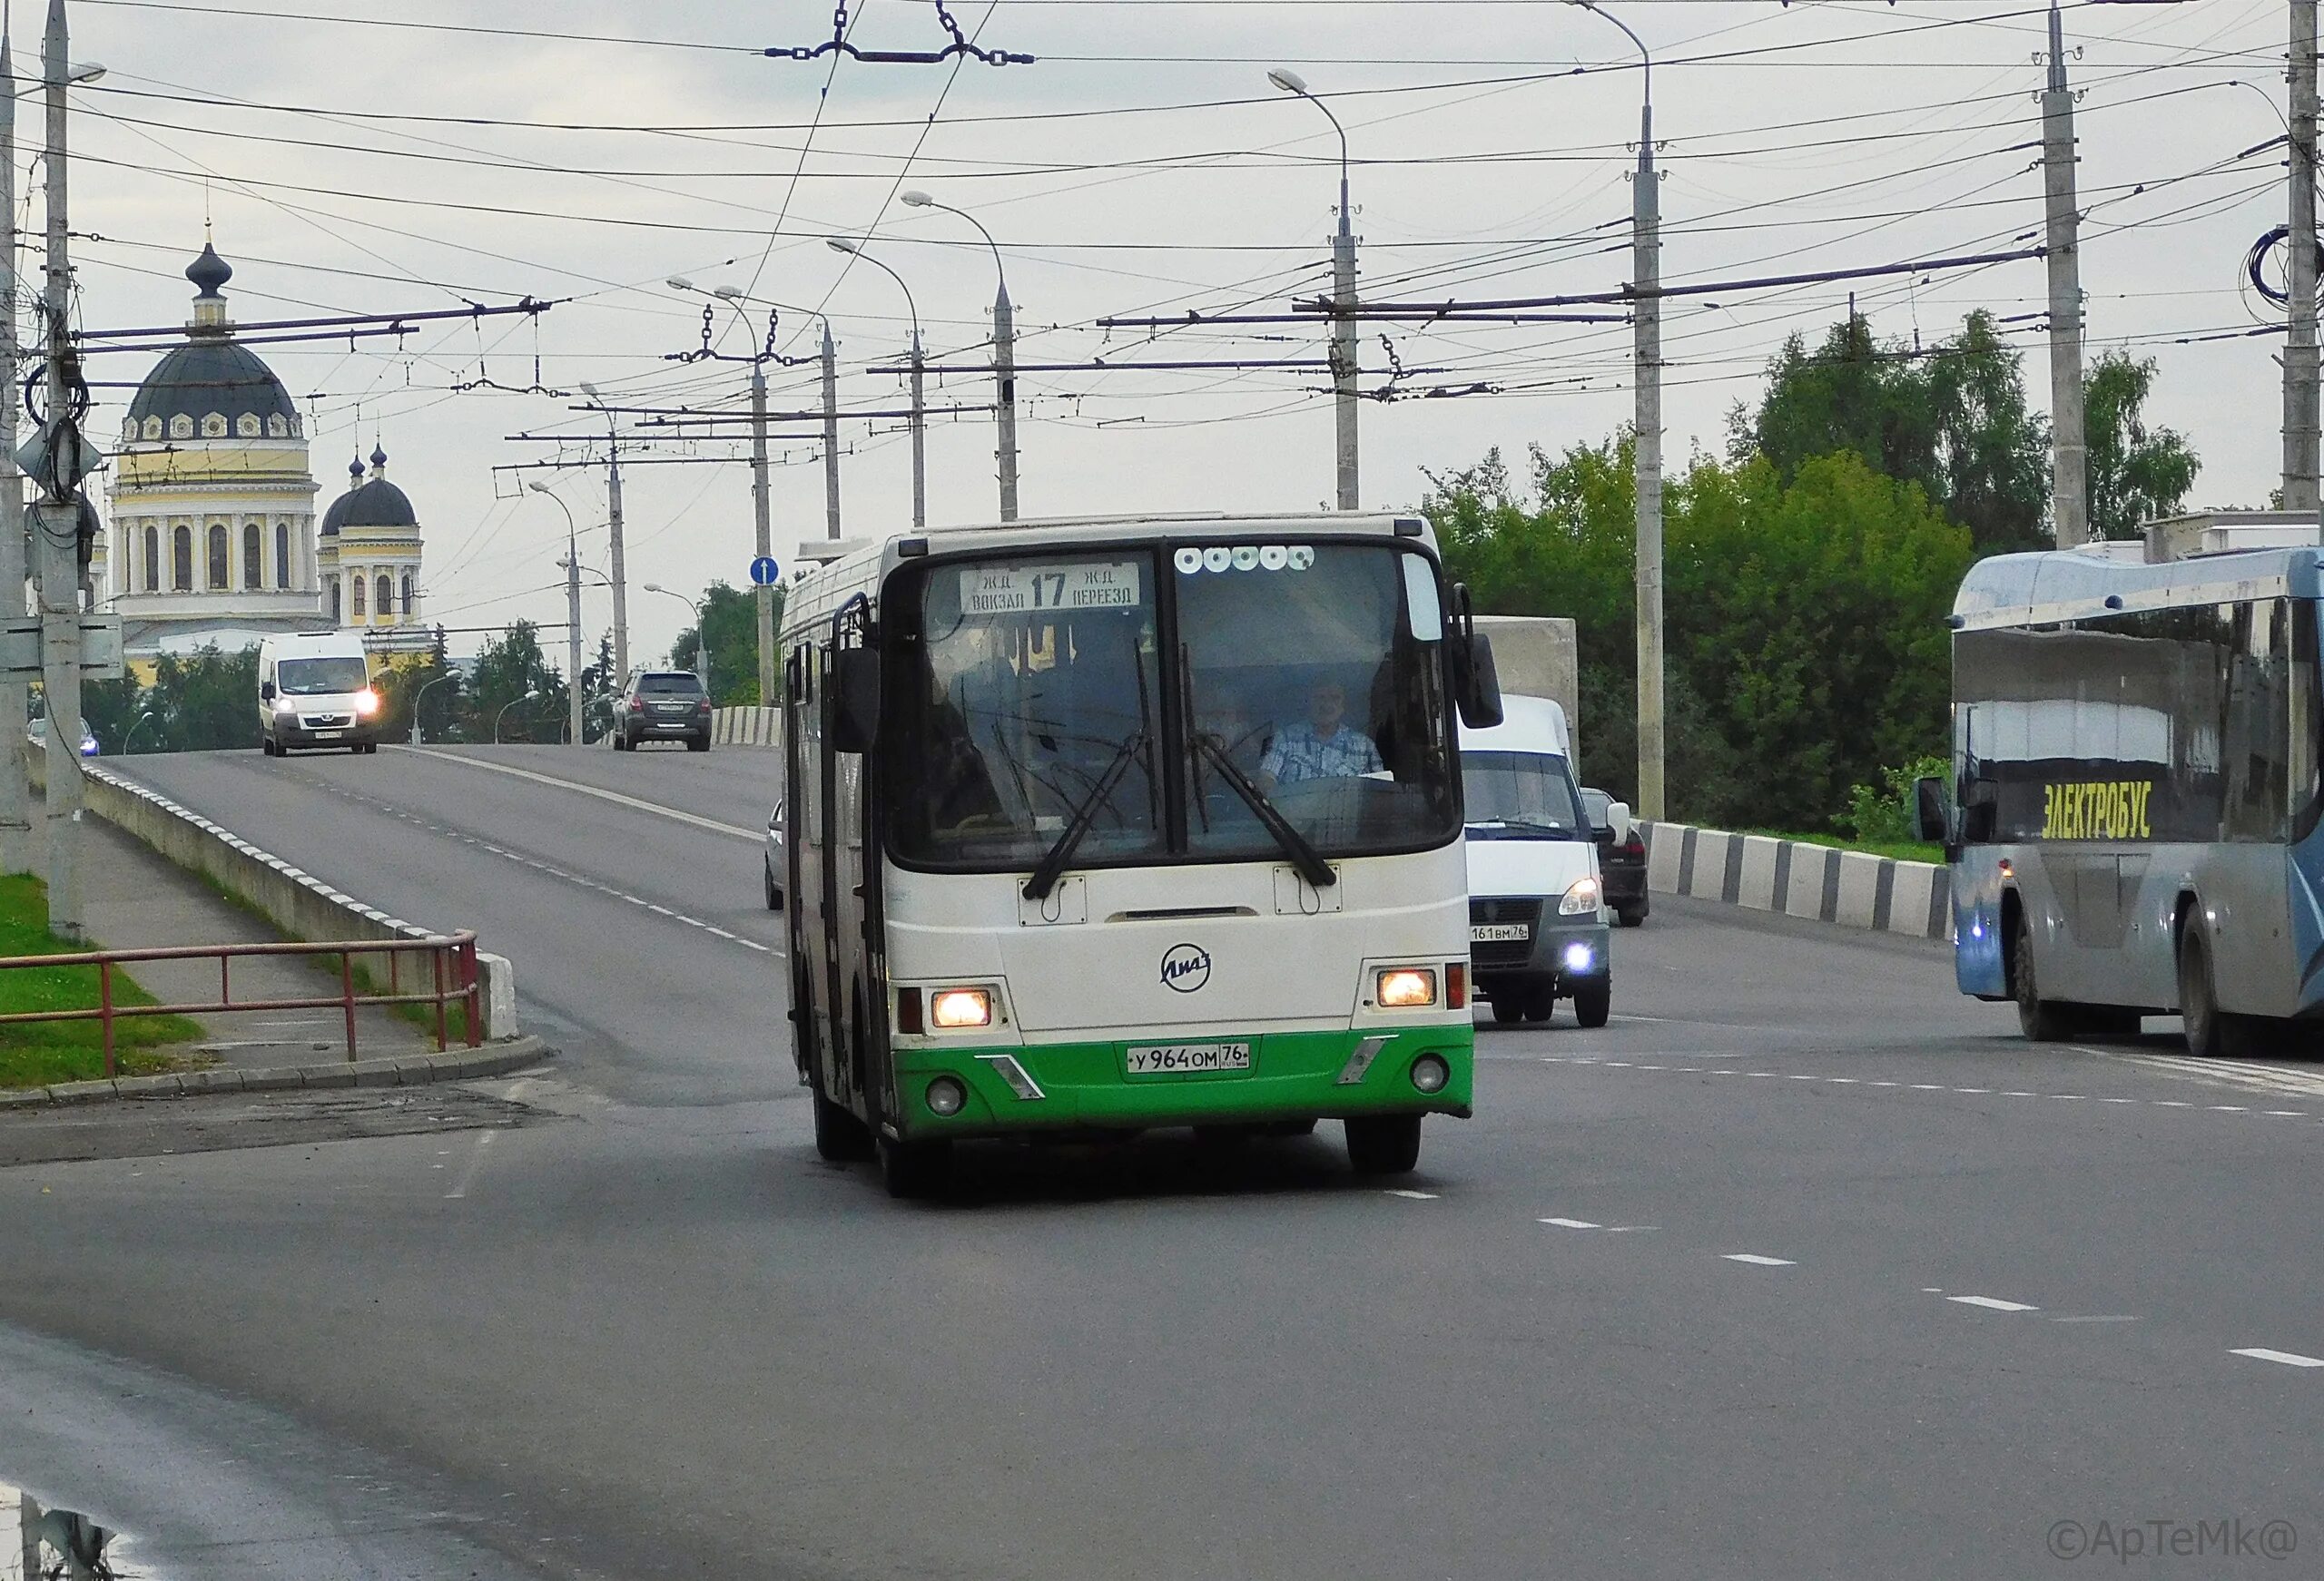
[
  {"x": 1797, "y": 877},
  {"x": 746, "y": 727}
]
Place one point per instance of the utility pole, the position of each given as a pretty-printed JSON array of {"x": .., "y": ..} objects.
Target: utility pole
[
  {"x": 830, "y": 434},
  {"x": 1344, "y": 354},
  {"x": 1646, "y": 226},
  {"x": 572, "y": 640},
  {"x": 15, "y": 795},
  {"x": 763, "y": 594},
  {"x": 2300, "y": 404},
  {"x": 2069, "y": 443},
  {"x": 58, "y": 536},
  {"x": 1004, "y": 375},
  {"x": 621, "y": 579},
  {"x": 918, "y": 422}
]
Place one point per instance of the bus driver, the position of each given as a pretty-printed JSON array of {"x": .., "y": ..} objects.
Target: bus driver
[{"x": 1322, "y": 746}]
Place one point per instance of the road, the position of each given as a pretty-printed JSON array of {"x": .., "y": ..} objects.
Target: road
[{"x": 1802, "y": 1267}]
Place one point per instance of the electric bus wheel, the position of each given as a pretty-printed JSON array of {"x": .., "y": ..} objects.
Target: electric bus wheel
[
  {"x": 1384, "y": 1144},
  {"x": 2041, "y": 1020},
  {"x": 913, "y": 1170},
  {"x": 2211, "y": 1033}
]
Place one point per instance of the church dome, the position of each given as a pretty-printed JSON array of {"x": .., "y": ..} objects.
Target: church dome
[
  {"x": 376, "y": 504},
  {"x": 202, "y": 377}
]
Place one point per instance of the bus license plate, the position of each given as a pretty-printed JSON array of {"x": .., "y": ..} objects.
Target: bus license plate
[
  {"x": 1160, "y": 1059},
  {"x": 1497, "y": 932}
]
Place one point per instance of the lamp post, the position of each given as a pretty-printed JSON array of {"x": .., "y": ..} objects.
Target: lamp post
[
  {"x": 1004, "y": 354},
  {"x": 421, "y": 694},
  {"x": 572, "y": 610},
  {"x": 1344, "y": 354},
  {"x": 701, "y": 632},
  {"x": 613, "y": 512},
  {"x": 498, "y": 718},
  {"x": 919, "y": 406},
  {"x": 1646, "y": 335},
  {"x": 762, "y": 509},
  {"x": 130, "y": 740}
]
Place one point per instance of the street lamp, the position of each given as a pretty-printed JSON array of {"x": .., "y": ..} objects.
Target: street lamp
[
  {"x": 572, "y": 605},
  {"x": 613, "y": 512},
  {"x": 1004, "y": 353},
  {"x": 130, "y": 739},
  {"x": 1646, "y": 337},
  {"x": 422, "y": 692},
  {"x": 1344, "y": 354},
  {"x": 762, "y": 506},
  {"x": 527, "y": 697},
  {"x": 829, "y": 359},
  {"x": 854, "y": 249},
  {"x": 701, "y": 632}
]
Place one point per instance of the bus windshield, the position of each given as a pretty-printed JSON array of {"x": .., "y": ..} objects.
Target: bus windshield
[{"x": 1043, "y": 694}]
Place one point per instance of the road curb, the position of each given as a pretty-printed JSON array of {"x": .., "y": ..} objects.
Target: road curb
[
  {"x": 1817, "y": 883},
  {"x": 457, "y": 1065}
]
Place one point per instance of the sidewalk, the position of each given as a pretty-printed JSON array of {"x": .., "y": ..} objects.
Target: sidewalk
[{"x": 136, "y": 898}]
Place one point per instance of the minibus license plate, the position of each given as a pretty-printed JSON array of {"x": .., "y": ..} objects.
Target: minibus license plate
[
  {"x": 1497, "y": 932},
  {"x": 328, "y": 735},
  {"x": 1159, "y": 1060}
]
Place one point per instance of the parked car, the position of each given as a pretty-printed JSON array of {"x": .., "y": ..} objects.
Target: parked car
[
  {"x": 777, "y": 863},
  {"x": 37, "y": 733},
  {"x": 661, "y": 705},
  {"x": 1621, "y": 855}
]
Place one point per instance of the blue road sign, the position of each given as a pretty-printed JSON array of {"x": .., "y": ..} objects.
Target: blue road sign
[{"x": 764, "y": 572}]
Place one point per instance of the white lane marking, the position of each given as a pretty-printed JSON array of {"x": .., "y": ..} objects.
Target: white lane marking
[
  {"x": 1987, "y": 1090},
  {"x": 2289, "y": 1358},
  {"x": 1991, "y": 1303},
  {"x": 755, "y": 836},
  {"x": 1629, "y": 1229},
  {"x": 1880, "y": 1083},
  {"x": 1573, "y": 1223},
  {"x": 2018, "y": 1095},
  {"x": 2170, "y": 1103},
  {"x": 1928, "y": 1087},
  {"x": 2118, "y": 1100},
  {"x": 2288, "y": 1114},
  {"x": 1412, "y": 1195},
  {"x": 1756, "y": 1260},
  {"x": 2107, "y": 1319},
  {"x": 2228, "y": 1109},
  {"x": 1841, "y": 1081},
  {"x": 475, "y": 1162}
]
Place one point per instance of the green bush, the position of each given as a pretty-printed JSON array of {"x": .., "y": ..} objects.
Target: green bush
[{"x": 1886, "y": 814}]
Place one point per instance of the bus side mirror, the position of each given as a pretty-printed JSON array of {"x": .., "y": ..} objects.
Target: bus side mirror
[
  {"x": 854, "y": 693},
  {"x": 1480, "y": 683},
  {"x": 266, "y": 691},
  {"x": 1928, "y": 810}
]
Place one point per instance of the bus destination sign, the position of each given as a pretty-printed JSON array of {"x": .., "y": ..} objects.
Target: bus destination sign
[{"x": 1031, "y": 588}]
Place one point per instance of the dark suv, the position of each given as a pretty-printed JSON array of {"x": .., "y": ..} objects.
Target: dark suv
[{"x": 662, "y": 705}]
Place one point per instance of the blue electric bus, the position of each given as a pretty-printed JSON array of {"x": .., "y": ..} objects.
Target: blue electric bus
[{"x": 2133, "y": 801}]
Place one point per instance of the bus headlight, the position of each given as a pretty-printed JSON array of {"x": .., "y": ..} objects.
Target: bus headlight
[
  {"x": 957, "y": 1007},
  {"x": 946, "y": 1097},
  {"x": 1406, "y": 988},
  {"x": 1583, "y": 896}
]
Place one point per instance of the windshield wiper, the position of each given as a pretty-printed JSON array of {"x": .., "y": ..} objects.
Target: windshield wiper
[
  {"x": 1554, "y": 830},
  {"x": 1084, "y": 813},
  {"x": 1305, "y": 856}
]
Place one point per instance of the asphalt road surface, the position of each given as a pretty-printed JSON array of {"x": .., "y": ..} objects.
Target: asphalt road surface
[{"x": 1805, "y": 1266}]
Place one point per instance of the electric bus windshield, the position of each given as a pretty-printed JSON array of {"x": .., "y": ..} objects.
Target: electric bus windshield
[{"x": 1223, "y": 702}]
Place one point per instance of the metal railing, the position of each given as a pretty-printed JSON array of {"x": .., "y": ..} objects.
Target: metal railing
[{"x": 452, "y": 958}]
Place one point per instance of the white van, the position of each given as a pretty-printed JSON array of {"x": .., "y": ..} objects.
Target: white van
[
  {"x": 1538, "y": 927},
  {"x": 316, "y": 692}
]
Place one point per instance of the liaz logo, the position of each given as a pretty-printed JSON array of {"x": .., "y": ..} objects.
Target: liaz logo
[{"x": 1185, "y": 967}]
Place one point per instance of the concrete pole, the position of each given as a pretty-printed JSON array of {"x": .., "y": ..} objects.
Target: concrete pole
[
  {"x": 2300, "y": 406},
  {"x": 620, "y": 578},
  {"x": 2068, "y": 442},
  {"x": 57, "y": 537},
  {"x": 15, "y": 796},
  {"x": 763, "y": 596},
  {"x": 1344, "y": 353},
  {"x": 1646, "y": 221},
  {"x": 919, "y": 438},
  {"x": 831, "y": 433},
  {"x": 1004, "y": 376},
  {"x": 572, "y": 633}
]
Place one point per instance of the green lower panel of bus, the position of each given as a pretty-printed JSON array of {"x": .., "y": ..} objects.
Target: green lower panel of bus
[{"x": 1289, "y": 1075}]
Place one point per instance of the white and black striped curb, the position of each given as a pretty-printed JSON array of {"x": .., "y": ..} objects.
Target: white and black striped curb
[
  {"x": 411, "y": 1070},
  {"x": 294, "y": 900},
  {"x": 746, "y": 727},
  {"x": 1818, "y": 882}
]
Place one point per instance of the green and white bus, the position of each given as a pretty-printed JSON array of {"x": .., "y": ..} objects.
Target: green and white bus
[{"x": 1097, "y": 825}]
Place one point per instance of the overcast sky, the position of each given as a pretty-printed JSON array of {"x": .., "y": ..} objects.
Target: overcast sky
[{"x": 423, "y": 153}]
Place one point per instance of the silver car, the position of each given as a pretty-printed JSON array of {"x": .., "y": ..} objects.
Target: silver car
[{"x": 777, "y": 864}]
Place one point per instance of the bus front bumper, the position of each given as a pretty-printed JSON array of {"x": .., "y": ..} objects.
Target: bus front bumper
[{"x": 1293, "y": 1075}]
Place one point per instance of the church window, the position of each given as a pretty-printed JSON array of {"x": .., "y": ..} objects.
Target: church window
[
  {"x": 218, "y": 579},
  {"x": 152, "y": 428},
  {"x": 276, "y": 426},
  {"x": 247, "y": 425},
  {"x": 181, "y": 559},
  {"x": 253, "y": 572},
  {"x": 213, "y": 425},
  {"x": 282, "y": 550},
  {"x": 387, "y": 604},
  {"x": 334, "y": 600},
  {"x": 409, "y": 608},
  {"x": 358, "y": 584},
  {"x": 293, "y": 424},
  {"x": 153, "y": 559},
  {"x": 181, "y": 427}
]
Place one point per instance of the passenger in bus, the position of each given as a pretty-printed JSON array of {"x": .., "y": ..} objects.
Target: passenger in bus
[{"x": 1323, "y": 746}]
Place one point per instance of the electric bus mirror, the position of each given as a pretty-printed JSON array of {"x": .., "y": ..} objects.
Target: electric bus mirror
[
  {"x": 1928, "y": 810},
  {"x": 1480, "y": 683},
  {"x": 855, "y": 699}
]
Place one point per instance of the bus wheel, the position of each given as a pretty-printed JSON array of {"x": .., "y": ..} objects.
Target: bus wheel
[
  {"x": 2039, "y": 1019},
  {"x": 1593, "y": 1003},
  {"x": 913, "y": 1170},
  {"x": 839, "y": 1136},
  {"x": 2211, "y": 1033},
  {"x": 1384, "y": 1144}
]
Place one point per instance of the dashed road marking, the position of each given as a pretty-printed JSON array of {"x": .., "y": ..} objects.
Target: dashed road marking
[
  {"x": 1756, "y": 1260},
  {"x": 1991, "y": 1303},
  {"x": 2286, "y": 1358},
  {"x": 1411, "y": 1196},
  {"x": 1573, "y": 1223}
]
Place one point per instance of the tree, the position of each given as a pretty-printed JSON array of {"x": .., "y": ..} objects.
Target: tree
[
  {"x": 2136, "y": 475},
  {"x": 1993, "y": 454},
  {"x": 508, "y": 668},
  {"x": 731, "y": 613},
  {"x": 110, "y": 708},
  {"x": 597, "y": 684},
  {"x": 205, "y": 701}
]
